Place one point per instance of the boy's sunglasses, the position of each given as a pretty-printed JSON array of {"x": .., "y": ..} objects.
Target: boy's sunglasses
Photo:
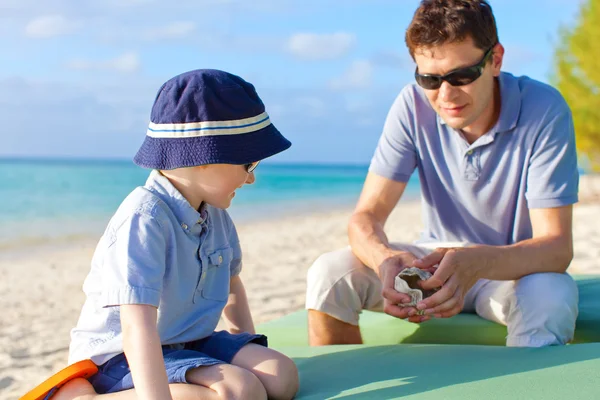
[
  {"x": 251, "y": 167},
  {"x": 458, "y": 77}
]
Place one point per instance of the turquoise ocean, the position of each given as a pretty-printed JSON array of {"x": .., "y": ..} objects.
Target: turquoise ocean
[{"x": 42, "y": 200}]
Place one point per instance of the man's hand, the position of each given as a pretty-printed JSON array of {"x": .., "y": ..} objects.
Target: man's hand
[
  {"x": 388, "y": 270},
  {"x": 458, "y": 270}
]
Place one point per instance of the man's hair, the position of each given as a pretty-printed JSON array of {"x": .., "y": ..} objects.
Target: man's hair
[{"x": 437, "y": 22}]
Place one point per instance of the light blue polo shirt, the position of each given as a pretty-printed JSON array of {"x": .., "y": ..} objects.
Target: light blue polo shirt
[
  {"x": 482, "y": 193},
  {"x": 160, "y": 251}
]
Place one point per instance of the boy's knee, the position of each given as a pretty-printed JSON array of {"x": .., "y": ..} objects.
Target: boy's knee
[
  {"x": 252, "y": 388},
  {"x": 287, "y": 383},
  {"x": 240, "y": 385}
]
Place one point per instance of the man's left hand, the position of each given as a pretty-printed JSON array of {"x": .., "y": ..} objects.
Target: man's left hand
[{"x": 458, "y": 270}]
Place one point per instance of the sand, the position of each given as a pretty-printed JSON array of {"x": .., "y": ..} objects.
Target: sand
[{"x": 40, "y": 287}]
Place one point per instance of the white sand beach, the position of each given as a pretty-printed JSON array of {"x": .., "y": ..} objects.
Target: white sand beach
[{"x": 40, "y": 288}]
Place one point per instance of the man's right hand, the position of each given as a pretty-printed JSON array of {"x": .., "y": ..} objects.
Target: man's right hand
[{"x": 388, "y": 270}]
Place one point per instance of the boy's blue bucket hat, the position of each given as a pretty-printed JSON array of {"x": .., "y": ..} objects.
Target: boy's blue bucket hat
[{"x": 208, "y": 116}]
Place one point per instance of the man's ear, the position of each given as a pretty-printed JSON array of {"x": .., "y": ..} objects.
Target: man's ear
[{"x": 497, "y": 58}]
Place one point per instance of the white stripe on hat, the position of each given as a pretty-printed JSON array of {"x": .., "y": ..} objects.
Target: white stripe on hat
[{"x": 209, "y": 128}]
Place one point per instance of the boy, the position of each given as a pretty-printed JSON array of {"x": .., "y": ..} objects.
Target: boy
[{"x": 170, "y": 258}]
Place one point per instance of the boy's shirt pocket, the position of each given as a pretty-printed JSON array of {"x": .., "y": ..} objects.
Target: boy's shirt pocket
[{"x": 215, "y": 277}]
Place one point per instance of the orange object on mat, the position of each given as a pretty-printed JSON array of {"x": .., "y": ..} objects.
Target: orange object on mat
[{"x": 81, "y": 369}]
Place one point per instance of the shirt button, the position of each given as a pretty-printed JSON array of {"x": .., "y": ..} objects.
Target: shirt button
[
  {"x": 470, "y": 152},
  {"x": 220, "y": 259},
  {"x": 184, "y": 226}
]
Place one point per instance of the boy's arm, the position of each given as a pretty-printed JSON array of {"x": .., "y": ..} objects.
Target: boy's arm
[
  {"x": 143, "y": 350},
  {"x": 237, "y": 311}
]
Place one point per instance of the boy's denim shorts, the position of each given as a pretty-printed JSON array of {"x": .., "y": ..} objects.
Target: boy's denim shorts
[{"x": 219, "y": 348}]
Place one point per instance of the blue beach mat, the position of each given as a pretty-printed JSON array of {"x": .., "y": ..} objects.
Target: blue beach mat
[
  {"x": 463, "y": 357},
  {"x": 381, "y": 329},
  {"x": 448, "y": 372}
]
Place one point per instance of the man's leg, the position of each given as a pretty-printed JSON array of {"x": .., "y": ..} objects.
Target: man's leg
[
  {"x": 339, "y": 287},
  {"x": 538, "y": 309}
]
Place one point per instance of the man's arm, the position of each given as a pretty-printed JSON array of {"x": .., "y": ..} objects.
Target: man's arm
[
  {"x": 549, "y": 250},
  {"x": 237, "y": 311},
  {"x": 365, "y": 230},
  {"x": 370, "y": 243}
]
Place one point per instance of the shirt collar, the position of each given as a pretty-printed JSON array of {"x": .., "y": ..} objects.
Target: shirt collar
[
  {"x": 162, "y": 187},
  {"x": 510, "y": 104},
  {"x": 510, "y": 108}
]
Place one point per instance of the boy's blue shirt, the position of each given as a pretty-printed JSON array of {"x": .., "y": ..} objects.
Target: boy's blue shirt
[{"x": 157, "y": 250}]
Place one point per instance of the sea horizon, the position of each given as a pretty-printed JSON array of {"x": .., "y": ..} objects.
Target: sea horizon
[{"x": 66, "y": 198}]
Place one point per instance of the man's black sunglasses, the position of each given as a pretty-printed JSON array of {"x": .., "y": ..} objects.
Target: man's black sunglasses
[{"x": 458, "y": 77}]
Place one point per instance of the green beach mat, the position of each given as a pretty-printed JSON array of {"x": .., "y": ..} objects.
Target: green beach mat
[
  {"x": 381, "y": 329},
  {"x": 447, "y": 372}
]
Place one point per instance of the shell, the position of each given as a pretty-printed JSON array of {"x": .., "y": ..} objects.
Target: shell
[
  {"x": 407, "y": 282},
  {"x": 412, "y": 275}
]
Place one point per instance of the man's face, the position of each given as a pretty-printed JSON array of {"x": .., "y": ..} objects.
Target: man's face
[{"x": 464, "y": 107}]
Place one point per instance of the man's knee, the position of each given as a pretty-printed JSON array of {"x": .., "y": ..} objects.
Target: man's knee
[
  {"x": 329, "y": 268},
  {"x": 544, "y": 310},
  {"x": 547, "y": 294},
  {"x": 338, "y": 284}
]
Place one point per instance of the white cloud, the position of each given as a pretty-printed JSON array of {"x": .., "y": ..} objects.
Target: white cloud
[
  {"x": 358, "y": 76},
  {"x": 313, "y": 46},
  {"x": 127, "y": 62},
  {"x": 366, "y": 121},
  {"x": 110, "y": 119},
  {"x": 174, "y": 30},
  {"x": 276, "y": 110},
  {"x": 128, "y": 3},
  {"x": 50, "y": 26},
  {"x": 392, "y": 59},
  {"x": 77, "y": 121},
  {"x": 358, "y": 104},
  {"x": 311, "y": 106}
]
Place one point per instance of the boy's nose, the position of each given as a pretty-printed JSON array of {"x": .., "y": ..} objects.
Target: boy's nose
[{"x": 250, "y": 179}]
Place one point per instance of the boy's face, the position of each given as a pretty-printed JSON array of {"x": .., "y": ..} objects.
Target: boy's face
[
  {"x": 216, "y": 183},
  {"x": 467, "y": 107}
]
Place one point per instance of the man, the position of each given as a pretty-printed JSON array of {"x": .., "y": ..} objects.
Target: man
[{"x": 497, "y": 164}]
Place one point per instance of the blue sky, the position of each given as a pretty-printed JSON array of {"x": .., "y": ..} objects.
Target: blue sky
[{"x": 78, "y": 77}]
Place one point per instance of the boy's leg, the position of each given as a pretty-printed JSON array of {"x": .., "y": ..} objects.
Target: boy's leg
[
  {"x": 538, "y": 309},
  {"x": 221, "y": 381},
  {"x": 191, "y": 373},
  {"x": 81, "y": 389},
  {"x": 277, "y": 373},
  {"x": 224, "y": 381}
]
